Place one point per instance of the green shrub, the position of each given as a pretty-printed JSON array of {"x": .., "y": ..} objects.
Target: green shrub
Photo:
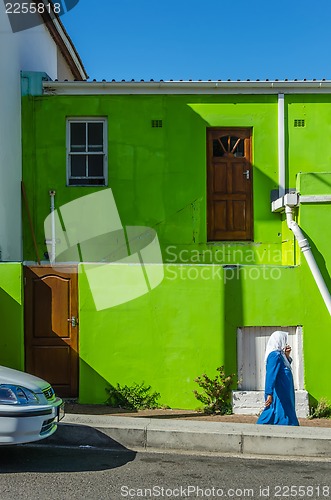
[
  {"x": 216, "y": 395},
  {"x": 134, "y": 397},
  {"x": 322, "y": 410}
]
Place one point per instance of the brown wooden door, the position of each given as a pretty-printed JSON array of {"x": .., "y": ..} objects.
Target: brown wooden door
[
  {"x": 229, "y": 184},
  {"x": 51, "y": 327}
]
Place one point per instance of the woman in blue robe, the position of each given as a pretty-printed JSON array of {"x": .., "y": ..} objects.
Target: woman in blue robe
[{"x": 279, "y": 387}]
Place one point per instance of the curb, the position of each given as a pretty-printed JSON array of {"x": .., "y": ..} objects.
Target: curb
[{"x": 123, "y": 433}]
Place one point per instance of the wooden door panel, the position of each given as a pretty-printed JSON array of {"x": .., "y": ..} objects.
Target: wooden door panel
[
  {"x": 42, "y": 300},
  {"x": 239, "y": 184},
  {"x": 229, "y": 216},
  {"x": 53, "y": 360},
  {"x": 239, "y": 215},
  {"x": 229, "y": 184},
  {"x": 220, "y": 215},
  {"x": 220, "y": 178},
  {"x": 51, "y": 294},
  {"x": 51, "y": 340}
]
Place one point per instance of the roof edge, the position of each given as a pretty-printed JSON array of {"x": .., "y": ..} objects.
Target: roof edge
[
  {"x": 63, "y": 41},
  {"x": 188, "y": 87}
]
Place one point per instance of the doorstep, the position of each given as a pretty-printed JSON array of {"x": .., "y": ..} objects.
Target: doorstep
[{"x": 252, "y": 402}]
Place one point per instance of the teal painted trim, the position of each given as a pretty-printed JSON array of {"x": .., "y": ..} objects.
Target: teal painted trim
[{"x": 32, "y": 82}]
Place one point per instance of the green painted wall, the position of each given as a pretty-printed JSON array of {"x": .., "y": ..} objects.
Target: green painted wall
[
  {"x": 158, "y": 175},
  {"x": 181, "y": 329},
  {"x": 187, "y": 325},
  {"x": 11, "y": 312},
  {"x": 307, "y": 149},
  {"x": 155, "y": 338},
  {"x": 314, "y": 219}
]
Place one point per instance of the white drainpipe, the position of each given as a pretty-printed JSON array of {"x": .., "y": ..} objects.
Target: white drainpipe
[
  {"x": 307, "y": 252},
  {"x": 281, "y": 146},
  {"x": 300, "y": 237},
  {"x": 53, "y": 251}
]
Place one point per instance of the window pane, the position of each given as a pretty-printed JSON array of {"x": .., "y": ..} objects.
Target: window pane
[
  {"x": 78, "y": 165},
  {"x": 220, "y": 146},
  {"x": 77, "y": 137},
  {"x": 95, "y": 166},
  {"x": 225, "y": 141},
  {"x": 217, "y": 148},
  {"x": 95, "y": 136},
  {"x": 237, "y": 145}
]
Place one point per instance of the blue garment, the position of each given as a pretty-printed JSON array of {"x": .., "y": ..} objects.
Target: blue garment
[{"x": 279, "y": 383}]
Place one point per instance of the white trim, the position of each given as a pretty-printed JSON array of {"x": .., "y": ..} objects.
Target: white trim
[
  {"x": 85, "y": 119},
  {"x": 189, "y": 87},
  {"x": 68, "y": 44},
  {"x": 308, "y": 254},
  {"x": 299, "y": 368},
  {"x": 315, "y": 198},
  {"x": 49, "y": 264},
  {"x": 293, "y": 200},
  {"x": 281, "y": 146},
  {"x": 290, "y": 199},
  {"x": 70, "y": 49}
]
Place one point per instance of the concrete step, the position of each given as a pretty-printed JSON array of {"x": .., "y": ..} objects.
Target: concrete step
[{"x": 252, "y": 402}]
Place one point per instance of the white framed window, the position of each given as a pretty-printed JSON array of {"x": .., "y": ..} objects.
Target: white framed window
[{"x": 87, "y": 151}]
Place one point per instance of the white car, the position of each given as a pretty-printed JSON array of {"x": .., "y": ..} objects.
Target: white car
[{"x": 29, "y": 408}]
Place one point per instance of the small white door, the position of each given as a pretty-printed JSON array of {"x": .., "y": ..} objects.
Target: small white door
[{"x": 251, "y": 344}]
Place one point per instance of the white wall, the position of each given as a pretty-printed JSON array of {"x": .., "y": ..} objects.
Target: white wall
[
  {"x": 10, "y": 142},
  {"x": 29, "y": 50},
  {"x": 63, "y": 70},
  {"x": 37, "y": 51}
]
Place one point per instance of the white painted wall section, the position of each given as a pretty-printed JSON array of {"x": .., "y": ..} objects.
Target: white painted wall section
[
  {"x": 10, "y": 142},
  {"x": 37, "y": 51},
  {"x": 251, "y": 345},
  {"x": 30, "y": 50}
]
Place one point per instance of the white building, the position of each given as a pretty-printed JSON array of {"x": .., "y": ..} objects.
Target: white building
[{"x": 45, "y": 48}]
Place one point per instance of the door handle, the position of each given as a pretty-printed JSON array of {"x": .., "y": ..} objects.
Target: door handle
[
  {"x": 73, "y": 320},
  {"x": 246, "y": 173}
]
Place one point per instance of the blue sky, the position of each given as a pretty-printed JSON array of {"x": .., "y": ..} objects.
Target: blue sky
[{"x": 196, "y": 39}]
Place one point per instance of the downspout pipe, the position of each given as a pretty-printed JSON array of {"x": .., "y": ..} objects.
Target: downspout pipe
[
  {"x": 281, "y": 145},
  {"x": 53, "y": 239},
  {"x": 308, "y": 254}
]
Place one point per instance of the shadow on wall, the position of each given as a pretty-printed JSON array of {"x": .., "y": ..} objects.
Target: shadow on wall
[
  {"x": 233, "y": 315},
  {"x": 321, "y": 179},
  {"x": 11, "y": 338},
  {"x": 92, "y": 385},
  {"x": 320, "y": 260}
]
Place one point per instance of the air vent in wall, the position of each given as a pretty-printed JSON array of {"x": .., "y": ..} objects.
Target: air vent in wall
[
  {"x": 157, "y": 123},
  {"x": 299, "y": 123}
]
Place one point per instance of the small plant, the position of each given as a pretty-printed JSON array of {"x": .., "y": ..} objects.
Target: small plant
[
  {"x": 134, "y": 397},
  {"x": 322, "y": 410},
  {"x": 216, "y": 395}
]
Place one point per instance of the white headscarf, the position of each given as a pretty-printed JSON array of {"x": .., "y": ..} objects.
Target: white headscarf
[{"x": 277, "y": 342}]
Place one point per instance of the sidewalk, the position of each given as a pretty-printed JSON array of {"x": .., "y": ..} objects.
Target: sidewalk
[
  {"x": 85, "y": 409},
  {"x": 189, "y": 431}
]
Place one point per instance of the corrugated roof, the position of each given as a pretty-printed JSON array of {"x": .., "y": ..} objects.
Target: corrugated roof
[{"x": 210, "y": 80}]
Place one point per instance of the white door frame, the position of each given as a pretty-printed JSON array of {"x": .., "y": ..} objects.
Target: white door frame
[{"x": 251, "y": 365}]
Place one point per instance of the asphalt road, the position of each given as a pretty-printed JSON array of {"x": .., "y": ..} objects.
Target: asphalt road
[{"x": 45, "y": 472}]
